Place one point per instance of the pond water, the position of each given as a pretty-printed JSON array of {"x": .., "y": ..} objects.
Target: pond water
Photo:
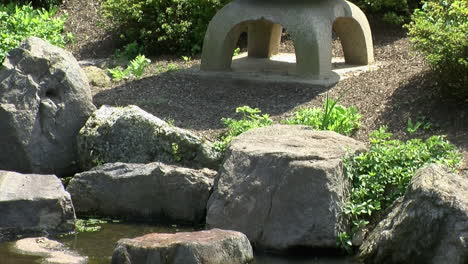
[{"x": 98, "y": 246}]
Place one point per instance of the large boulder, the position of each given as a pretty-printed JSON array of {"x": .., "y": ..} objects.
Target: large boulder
[
  {"x": 429, "y": 225},
  {"x": 143, "y": 192},
  {"x": 283, "y": 186},
  {"x": 32, "y": 204},
  {"x": 204, "y": 247},
  {"x": 44, "y": 101},
  {"x": 131, "y": 135}
]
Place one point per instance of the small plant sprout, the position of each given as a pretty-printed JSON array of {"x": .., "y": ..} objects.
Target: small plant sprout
[
  {"x": 236, "y": 52},
  {"x": 332, "y": 116},
  {"x": 420, "y": 123},
  {"x": 175, "y": 151},
  {"x": 186, "y": 59},
  {"x": 136, "y": 69},
  {"x": 172, "y": 67},
  {"x": 251, "y": 118}
]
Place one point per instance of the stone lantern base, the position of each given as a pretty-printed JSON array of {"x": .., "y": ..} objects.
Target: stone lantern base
[{"x": 310, "y": 24}]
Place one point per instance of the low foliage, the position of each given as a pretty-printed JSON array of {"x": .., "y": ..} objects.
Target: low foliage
[
  {"x": 20, "y": 22},
  {"x": 392, "y": 11},
  {"x": 34, "y": 3},
  {"x": 251, "y": 118},
  {"x": 129, "y": 52},
  {"x": 136, "y": 69},
  {"x": 162, "y": 26},
  {"x": 89, "y": 225},
  {"x": 439, "y": 30},
  {"x": 334, "y": 117},
  {"x": 382, "y": 174}
]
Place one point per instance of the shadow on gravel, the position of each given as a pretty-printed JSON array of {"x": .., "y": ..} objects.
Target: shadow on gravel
[
  {"x": 423, "y": 99},
  {"x": 198, "y": 103},
  {"x": 384, "y": 33}
]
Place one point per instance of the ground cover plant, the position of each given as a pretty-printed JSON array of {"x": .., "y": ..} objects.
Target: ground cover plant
[
  {"x": 251, "y": 118},
  {"x": 332, "y": 116},
  {"x": 136, "y": 68},
  {"x": 439, "y": 30},
  {"x": 20, "y": 22},
  {"x": 382, "y": 174}
]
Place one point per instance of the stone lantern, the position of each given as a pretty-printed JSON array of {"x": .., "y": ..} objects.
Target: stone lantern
[{"x": 310, "y": 24}]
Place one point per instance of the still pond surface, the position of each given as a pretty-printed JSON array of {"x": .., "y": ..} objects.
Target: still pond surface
[{"x": 98, "y": 246}]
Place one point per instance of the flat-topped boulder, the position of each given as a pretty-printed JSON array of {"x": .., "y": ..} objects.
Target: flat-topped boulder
[
  {"x": 44, "y": 101},
  {"x": 32, "y": 204},
  {"x": 283, "y": 186},
  {"x": 52, "y": 252},
  {"x": 428, "y": 225},
  {"x": 204, "y": 247},
  {"x": 131, "y": 135},
  {"x": 153, "y": 191}
]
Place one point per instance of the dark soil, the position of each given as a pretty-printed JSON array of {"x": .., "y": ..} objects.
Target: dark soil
[{"x": 404, "y": 88}]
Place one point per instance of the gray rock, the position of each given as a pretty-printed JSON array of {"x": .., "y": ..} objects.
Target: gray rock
[
  {"x": 143, "y": 191},
  {"x": 429, "y": 225},
  {"x": 44, "y": 100},
  {"x": 53, "y": 252},
  {"x": 97, "y": 76},
  {"x": 204, "y": 247},
  {"x": 283, "y": 186},
  {"x": 32, "y": 204},
  {"x": 131, "y": 135}
]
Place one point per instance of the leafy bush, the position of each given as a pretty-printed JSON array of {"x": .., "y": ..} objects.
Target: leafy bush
[
  {"x": 136, "y": 68},
  {"x": 332, "y": 117},
  {"x": 162, "y": 25},
  {"x": 34, "y": 3},
  {"x": 19, "y": 22},
  {"x": 382, "y": 174},
  {"x": 251, "y": 118},
  {"x": 439, "y": 31},
  {"x": 392, "y": 11}
]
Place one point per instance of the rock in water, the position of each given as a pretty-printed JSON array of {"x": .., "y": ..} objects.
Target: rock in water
[
  {"x": 52, "y": 251},
  {"x": 153, "y": 191},
  {"x": 283, "y": 186},
  {"x": 429, "y": 225},
  {"x": 131, "y": 135},
  {"x": 32, "y": 204},
  {"x": 204, "y": 247},
  {"x": 44, "y": 101}
]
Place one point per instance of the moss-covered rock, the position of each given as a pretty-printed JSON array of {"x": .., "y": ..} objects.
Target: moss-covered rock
[{"x": 129, "y": 134}]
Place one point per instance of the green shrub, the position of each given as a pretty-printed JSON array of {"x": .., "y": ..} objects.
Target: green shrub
[
  {"x": 382, "y": 174},
  {"x": 251, "y": 118},
  {"x": 162, "y": 25},
  {"x": 19, "y": 22},
  {"x": 34, "y": 3},
  {"x": 332, "y": 117},
  {"x": 392, "y": 11},
  {"x": 439, "y": 30}
]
